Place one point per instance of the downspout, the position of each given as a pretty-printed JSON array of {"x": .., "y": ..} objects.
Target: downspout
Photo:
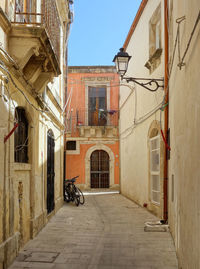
[{"x": 166, "y": 115}]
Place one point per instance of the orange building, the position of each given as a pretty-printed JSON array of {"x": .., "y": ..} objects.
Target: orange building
[{"x": 92, "y": 137}]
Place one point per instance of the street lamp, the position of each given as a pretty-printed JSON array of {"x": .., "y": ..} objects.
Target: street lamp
[{"x": 121, "y": 61}]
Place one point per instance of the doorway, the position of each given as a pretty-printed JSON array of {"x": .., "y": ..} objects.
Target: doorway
[
  {"x": 50, "y": 171},
  {"x": 99, "y": 167}
]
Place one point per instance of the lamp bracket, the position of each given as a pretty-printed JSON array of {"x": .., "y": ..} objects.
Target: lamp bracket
[{"x": 150, "y": 84}]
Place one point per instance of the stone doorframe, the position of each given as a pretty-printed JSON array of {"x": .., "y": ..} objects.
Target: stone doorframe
[{"x": 111, "y": 164}]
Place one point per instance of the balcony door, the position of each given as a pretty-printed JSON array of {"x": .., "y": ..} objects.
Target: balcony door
[
  {"x": 99, "y": 167},
  {"x": 97, "y": 115}
]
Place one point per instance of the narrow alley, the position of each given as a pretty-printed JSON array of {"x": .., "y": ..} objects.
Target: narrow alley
[{"x": 106, "y": 232}]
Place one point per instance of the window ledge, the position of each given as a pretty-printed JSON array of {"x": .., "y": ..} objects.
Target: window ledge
[
  {"x": 22, "y": 166},
  {"x": 153, "y": 59}
]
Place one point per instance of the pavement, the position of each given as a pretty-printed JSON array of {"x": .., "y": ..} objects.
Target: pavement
[{"x": 106, "y": 232}]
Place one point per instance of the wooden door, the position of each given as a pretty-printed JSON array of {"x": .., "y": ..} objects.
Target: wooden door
[{"x": 99, "y": 164}]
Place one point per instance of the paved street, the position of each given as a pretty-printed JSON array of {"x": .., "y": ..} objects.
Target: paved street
[{"x": 107, "y": 232}]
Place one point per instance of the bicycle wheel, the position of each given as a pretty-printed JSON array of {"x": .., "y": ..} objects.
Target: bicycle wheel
[
  {"x": 82, "y": 198},
  {"x": 67, "y": 196},
  {"x": 76, "y": 196},
  {"x": 77, "y": 200}
]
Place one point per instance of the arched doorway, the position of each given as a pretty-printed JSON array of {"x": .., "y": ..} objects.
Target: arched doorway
[
  {"x": 50, "y": 171},
  {"x": 99, "y": 169}
]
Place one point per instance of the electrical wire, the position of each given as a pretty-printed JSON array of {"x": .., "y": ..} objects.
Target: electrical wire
[
  {"x": 11, "y": 79},
  {"x": 139, "y": 121},
  {"x": 26, "y": 98},
  {"x": 11, "y": 60}
]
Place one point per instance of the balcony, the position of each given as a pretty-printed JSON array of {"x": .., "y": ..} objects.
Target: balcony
[
  {"x": 34, "y": 40},
  {"x": 94, "y": 123}
]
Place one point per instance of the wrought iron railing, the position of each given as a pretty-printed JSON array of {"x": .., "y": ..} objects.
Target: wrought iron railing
[
  {"x": 97, "y": 117},
  {"x": 83, "y": 118},
  {"x": 46, "y": 14}
]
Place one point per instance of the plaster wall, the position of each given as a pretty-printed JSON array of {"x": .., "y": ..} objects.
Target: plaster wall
[
  {"x": 2, "y": 4},
  {"x": 78, "y": 162},
  {"x": 184, "y": 122},
  {"x": 23, "y": 186},
  {"x": 139, "y": 108}
]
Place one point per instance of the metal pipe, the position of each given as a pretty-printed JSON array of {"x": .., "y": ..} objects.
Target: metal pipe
[{"x": 166, "y": 88}]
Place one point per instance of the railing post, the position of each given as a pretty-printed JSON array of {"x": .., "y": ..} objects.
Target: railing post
[{"x": 15, "y": 12}]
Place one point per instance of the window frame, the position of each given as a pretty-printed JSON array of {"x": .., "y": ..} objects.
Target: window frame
[
  {"x": 71, "y": 149},
  {"x": 96, "y": 83},
  {"x": 155, "y": 32},
  {"x": 21, "y": 153},
  {"x": 94, "y": 115},
  {"x": 155, "y": 172}
]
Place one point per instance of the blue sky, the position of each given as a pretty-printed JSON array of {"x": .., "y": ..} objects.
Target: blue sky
[{"x": 99, "y": 29}]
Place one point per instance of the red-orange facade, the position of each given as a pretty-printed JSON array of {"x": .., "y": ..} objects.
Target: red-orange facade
[{"x": 92, "y": 135}]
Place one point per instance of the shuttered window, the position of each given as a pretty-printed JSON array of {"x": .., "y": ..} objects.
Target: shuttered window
[{"x": 155, "y": 169}]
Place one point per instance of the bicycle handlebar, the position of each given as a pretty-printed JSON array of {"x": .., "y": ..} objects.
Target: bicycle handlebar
[{"x": 71, "y": 180}]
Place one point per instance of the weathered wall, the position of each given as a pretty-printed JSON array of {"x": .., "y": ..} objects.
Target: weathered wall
[
  {"x": 184, "y": 111},
  {"x": 138, "y": 113},
  {"x": 23, "y": 186}
]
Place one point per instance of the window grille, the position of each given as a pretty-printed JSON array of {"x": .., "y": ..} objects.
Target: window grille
[
  {"x": 155, "y": 169},
  {"x": 21, "y": 136}
]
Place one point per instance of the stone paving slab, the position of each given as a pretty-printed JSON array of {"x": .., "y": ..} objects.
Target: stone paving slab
[{"x": 106, "y": 232}]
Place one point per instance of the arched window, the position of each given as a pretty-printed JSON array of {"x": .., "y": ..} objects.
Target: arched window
[{"x": 21, "y": 136}]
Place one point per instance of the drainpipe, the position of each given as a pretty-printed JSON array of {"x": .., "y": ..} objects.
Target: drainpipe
[{"x": 166, "y": 115}]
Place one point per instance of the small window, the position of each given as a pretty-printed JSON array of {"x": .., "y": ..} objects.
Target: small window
[
  {"x": 155, "y": 49},
  {"x": 155, "y": 32},
  {"x": 71, "y": 145},
  {"x": 21, "y": 136}
]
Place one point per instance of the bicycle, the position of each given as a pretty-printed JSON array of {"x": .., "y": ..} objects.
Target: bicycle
[{"x": 72, "y": 193}]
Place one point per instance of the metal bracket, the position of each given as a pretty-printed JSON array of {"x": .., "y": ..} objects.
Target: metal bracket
[{"x": 150, "y": 84}]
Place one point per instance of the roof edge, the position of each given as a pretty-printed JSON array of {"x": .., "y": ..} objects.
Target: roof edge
[
  {"x": 135, "y": 22},
  {"x": 91, "y": 66}
]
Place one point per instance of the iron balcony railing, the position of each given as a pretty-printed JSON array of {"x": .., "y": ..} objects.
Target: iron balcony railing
[
  {"x": 82, "y": 118},
  {"x": 27, "y": 12},
  {"x": 97, "y": 117}
]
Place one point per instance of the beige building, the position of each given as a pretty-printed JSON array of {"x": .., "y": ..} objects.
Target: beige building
[
  {"x": 33, "y": 37},
  {"x": 184, "y": 116},
  {"x": 141, "y": 144},
  {"x": 159, "y": 140}
]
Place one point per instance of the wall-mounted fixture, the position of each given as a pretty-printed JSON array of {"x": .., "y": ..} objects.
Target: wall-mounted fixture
[{"x": 121, "y": 61}]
